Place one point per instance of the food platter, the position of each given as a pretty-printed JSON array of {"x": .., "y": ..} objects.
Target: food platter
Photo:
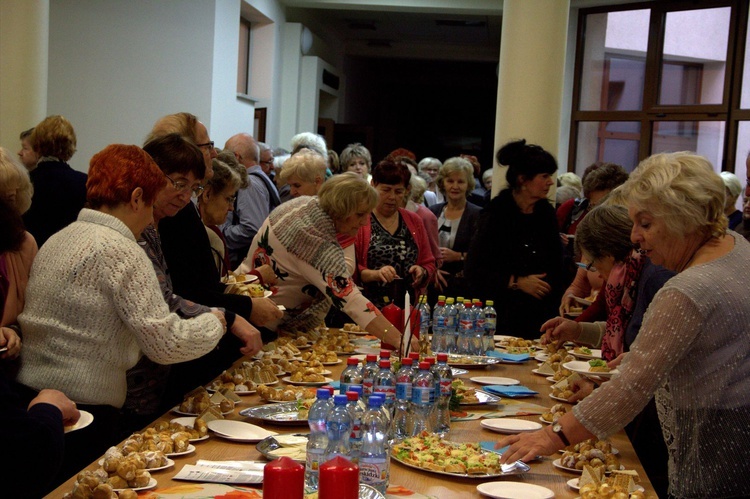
[
  {"x": 325, "y": 381},
  {"x": 238, "y": 431},
  {"x": 176, "y": 410},
  {"x": 190, "y": 449},
  {"x": 151, "y": 485},
  {"x": 557, "y": 463},
  {"x": 168, "y": 464},
  {"x": 559, "y": 399},
  {"x": 471, "y": 361},
  {"x": 268, "y": 446},
  {"x": 596, "y": 353},
  {"x": 482, "y": 476},
  {"x": 583, "y": 367},
  {"x": 285, "y": 413},
  {"x": 189, "y": 421},
  {"x": 573, "y": 483},
  {"x": 333, "y": 363},
  {"x": 483, "y": 398}
]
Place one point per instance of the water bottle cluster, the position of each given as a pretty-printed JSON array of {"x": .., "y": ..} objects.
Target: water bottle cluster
[{"x": 463, "y": 327}]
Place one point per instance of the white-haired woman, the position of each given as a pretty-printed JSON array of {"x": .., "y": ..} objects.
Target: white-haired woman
[
  {"x": 733, "y": 190},
  {"x": 692, "y": 351},
  {"x": 304, "y": 172}
]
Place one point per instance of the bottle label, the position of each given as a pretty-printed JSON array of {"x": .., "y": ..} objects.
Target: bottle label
[
  {"x": 480, "y": 324},
  {"x": 367, "y": 385},
  {"x": 389, "y": 391},
  {"x": 423, "y": 395},
  {"x": 373, "y": 471},
  {"x": 466, "y": 325},
  {"x": 314, "y": 459},
  {"x": 445, "y": 387},
  {"x": 441, "y": 321},
  {"x": 403, "y": 391},
  {"x": 356, "y": 434}
]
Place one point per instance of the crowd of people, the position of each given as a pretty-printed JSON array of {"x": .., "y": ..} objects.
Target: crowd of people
[{"x": 114, "y": 303}]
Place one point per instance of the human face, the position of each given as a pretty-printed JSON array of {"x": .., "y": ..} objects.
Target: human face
[
  {"x": 216, "y": 205},
  {"x": 390, "y": 198},
  {"x": 266, "y": 161},
  {"x": 455, "y": 186},
  {"x": 27, "y": 155},
  {"x": 351, "y": 224},
  {"x": 746, "y": 208},
  {"x": 207, "y": 148},
  {"x": 662, "y": 247},
  {"x": 172, "y": 199},
  {"x": 299, "y": 187},
  {"x": 432, "y": 171},
  {"x": 538, "y": 186},
  {"x": 488, "y": 183},
  {"x": 358, "y": 165},
  {"x": 602, "y": 265}
]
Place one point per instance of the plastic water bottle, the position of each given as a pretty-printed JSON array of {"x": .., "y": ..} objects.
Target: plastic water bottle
[
  {"x": 339, "y": 427},
  {"x": 360, "y": 402},
  {"x": 351, "y": 376},
  {"x": 451, "y": 320},
  {"x": 401, "y": 425},
  {"x": 317, "y": 442},
  {"x": 383, "y": 409},
  {"x": 422, "y": 399},
  {"x": 490, "y": 326},
  {"x": 438, "y": 327},
  {"x": 436, "y": 377},
  {"x": 368, "y": 375},
  {"x": 442, "y": 405},
  {"x": 477, "y": 343},
  {"x": 465, "y": 328},
  {"x": 356, "y": 412},
  {"x": 374, "y": 459},
  {"x": 385, "y": 383},
  {"x": 424, "y": 317}
]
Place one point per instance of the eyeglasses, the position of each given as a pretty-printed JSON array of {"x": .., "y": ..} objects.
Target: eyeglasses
[
  {"x": 180, "y": 186},
  {"x": 230, "y": 199},
  {"x": 267, "y": 162},
  {"x": 209, "y": 145},
  {"x": 589, "y": 267}
]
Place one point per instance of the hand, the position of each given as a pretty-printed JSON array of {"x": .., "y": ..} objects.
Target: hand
[
  {"x": 9, "y": 338},
  {"x": 582, "y": 388},
  {"x": 533, "y": 285},
  {"x": 385, "y": 274},
  {"x": 220, "y": 315},
  {"x": 264, "y": 311},
  {"x": 449, "y": 255},
  {"x": 418, "y": 274},
  {"x": 267, "y": 275},
  {"x": 559, "y": 330},
  {"x": 247, "y": 333},
  {"x": 612, "y": 364},
  {"x": 564, "y": 239},
  {"x": 440, "y": 282},
  {"x": 566, "y": 303},
  {"x": 70, "y": 413},
  {"x": 526, "y": 446}
]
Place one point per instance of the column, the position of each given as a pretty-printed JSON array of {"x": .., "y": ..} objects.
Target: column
[{"x": 531, "y": 74}]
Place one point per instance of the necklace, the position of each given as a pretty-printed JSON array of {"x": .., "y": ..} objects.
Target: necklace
[{"x": 390, "y": 224}]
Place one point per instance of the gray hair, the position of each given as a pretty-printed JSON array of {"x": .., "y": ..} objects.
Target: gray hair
[
  {"x": 343, "y": 194},
  {"x": 224, "y": 176},
  {"x": 732, "y": 183},
  {"x": 605, "y": 231},
  {"x": 571, "y": 179},
  {"x": 309, "y": 140},
  {"x": 353, "y": 151},
  {"x": 433, "y": 161},
  {"x": 456, "y": 165},
  {"x": 15, "y": 176},
  {"x": 418, "y": 187},
  {"x": 566, "y": 193},
  {"x": 229, "y": 159}
]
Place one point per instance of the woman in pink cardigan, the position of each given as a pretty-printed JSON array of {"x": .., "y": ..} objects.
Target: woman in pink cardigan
[{"x": 394, "y": 244}]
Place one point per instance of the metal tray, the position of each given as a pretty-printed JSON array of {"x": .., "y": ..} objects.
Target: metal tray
[{"x": 284, "y": 413}]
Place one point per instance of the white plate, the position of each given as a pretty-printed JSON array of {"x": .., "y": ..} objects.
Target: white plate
[
  {"x": 4, "y": 349},
  {"x": 339, "y": 361},
  {"x": 536, "y": 371},
  {"x": 582, "y": 301},
  {"x": 501, "y": 337},
  {"x": 236, "y": 392},
  {"x": 169, "y": 464},
  {"x": 559, "y": 399},
  {"x": 190, "y": 449},
  {"x": 514, "y": 490},
  {"x": 510, "y": 426},
  {"x": 249, "y": 279},
  {"x": 551, "y": 379},
  {"x": 541, "y": 356},
  {"x": 557, "y": 464},
  {"x": 494, "y": 380},
  {"x": 595, "y": 354},
  {"x": 544, "y": 420},
  {"x": 86, "y": 419},
  {"x": 238, "y": 431},
  {"x": 288, "y": 379},
  {"x": 151, "y": 485},
  {"x": 582, "y": 367},
  {"x": 176, "y": 410},
  {"x": 189, "y": 421}
]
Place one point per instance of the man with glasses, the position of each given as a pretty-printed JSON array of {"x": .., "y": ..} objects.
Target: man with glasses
[{"x": 253, "y": 203}]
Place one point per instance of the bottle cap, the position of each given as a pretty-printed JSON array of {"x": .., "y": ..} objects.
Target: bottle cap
[
  {"x": 385, "y": 363},
  {"x": 371, "y": 357},
  {"x": 339, "y": 399},
  {"x": 330, "y": 390},
  {"x": 385, "y": 354},
  {"x": 430, "y": 360},
  {"x": 357, "y": 389},
  {"x": 323, "y": 393},
  {"x": 375, "y": 401},
  {"x": 490, "y": 303},
  {"x": 442, "y": 357},
  {"x": 352, "y": 361},
  {"x": 425, "y": 366},
  {"x": 407, "y": 361},
  {"x": 350, "y": 395},
  {"x": 449, "y": 301},
  {"x": 478, "y": 303},
  {"x": 414, "y": 356}
]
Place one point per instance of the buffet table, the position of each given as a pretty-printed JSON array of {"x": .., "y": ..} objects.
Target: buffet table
[{"x": 542, "y": 472}]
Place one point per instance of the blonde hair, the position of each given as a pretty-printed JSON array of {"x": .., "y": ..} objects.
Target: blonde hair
[
  {"x": 182, "y": 123},
  {"x": 682, "y": 189},
  {"x": 418, "y": 186},
  {"x": 54, "y": 136},
  {"x": 15, "y": 176},
  {"x": 343, "y": 194},
  {"x": 306, "y": 165},
  {"x": 456, "y": 165}
]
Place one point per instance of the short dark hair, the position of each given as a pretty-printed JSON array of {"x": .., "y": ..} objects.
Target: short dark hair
[
  {"x": 524, "y": 160},
  {"x": 389, "y": 172},
  {"x": 604, "y": 178},
  {"x": 26, "y": 133},
  {"x": 605, "y": 231},
  {"x": 173, "y": 153}
]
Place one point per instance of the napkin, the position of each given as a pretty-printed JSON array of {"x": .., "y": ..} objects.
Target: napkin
[
  {"x": 510, "y": 391},
  {"x": 509, "y": 357},
  {"x": 335, "y": 384},
  {"x": 489, "y": 445}
]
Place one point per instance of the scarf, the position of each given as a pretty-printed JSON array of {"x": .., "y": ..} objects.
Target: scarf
[{"x": 620, "y": 295}]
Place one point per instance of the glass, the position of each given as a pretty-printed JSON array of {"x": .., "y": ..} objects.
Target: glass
[
  {"x": 588, "y": 267},
  {"x": 608, "y": 141},
  {"x": 694, "y": 57},
  {"x": 180, "y": 186},
  {"x": 614, "y": 61},
  {"x": 209, "y": 145},
  {"x": 704, "y": 137}
]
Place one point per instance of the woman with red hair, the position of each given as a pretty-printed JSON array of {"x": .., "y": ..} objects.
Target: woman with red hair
[{"x": 94, "y": 306}]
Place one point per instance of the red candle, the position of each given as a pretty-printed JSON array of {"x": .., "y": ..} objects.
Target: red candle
[
  {"x": 283, "y": 479},
  {"x": 339, "y": 479}
]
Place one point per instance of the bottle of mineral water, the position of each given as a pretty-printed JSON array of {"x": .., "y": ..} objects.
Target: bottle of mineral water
[
  {"x": 422, "y": 398},
  {"x": 317, "y": 442},
  {"x": 438, "y": 327},
  {"x": 385, "y": 383},
  {"x": 339, "y": 427},
  {"x": 477, "y": 342},
  {"x": 436, "y": 377},
  {"x": 374, "y": 458},
  {"x": 401, "y": 424},
  {"x": 442, "y": 405},
  {"x": 451, "y": 319},
  {"x": 465, "y": 328},
  {"x": 356, "y": 412},
  {"x": 490, "y": 326},
  {"x": 368, "y": 375},
  {"x": 352, "y": 375}
]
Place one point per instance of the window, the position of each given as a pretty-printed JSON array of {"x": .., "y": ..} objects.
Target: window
[
  {"x": 243, "y": 62},
  {"x": 661, "y": 76}
]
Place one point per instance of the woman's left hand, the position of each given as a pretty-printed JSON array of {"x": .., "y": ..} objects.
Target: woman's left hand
[
  {"x": 418, "y": 274},
  {"x": 527, "y": 446},
  {"x": 9, "y": 338},
  {"x": 449, "y": 255},
  {"x": 440, "y": 282},
  {"x": 248, "y": 334}
]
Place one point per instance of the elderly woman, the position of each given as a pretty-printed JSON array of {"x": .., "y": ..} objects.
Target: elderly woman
[
  {"x": 457, "y": 222},
  {"x": 94, "y": 306},
  {"x": 692, "y": 350},
  {"x": 300, "y": 240},
  {"x": 59, "y": 190},
  {"x": 733, "y": 189},
  {"x": 393, "y": 244},
  {"x": 515, "y": 257},
  {"x": 305, "y": 172},
  {"x": 431, "y": 166},
  {"x": 356, "y": 158}
]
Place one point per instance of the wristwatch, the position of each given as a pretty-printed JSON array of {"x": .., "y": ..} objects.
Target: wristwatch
[
  {"x": 514, "y": 283},
  {"x": 557, "y": 429}
]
